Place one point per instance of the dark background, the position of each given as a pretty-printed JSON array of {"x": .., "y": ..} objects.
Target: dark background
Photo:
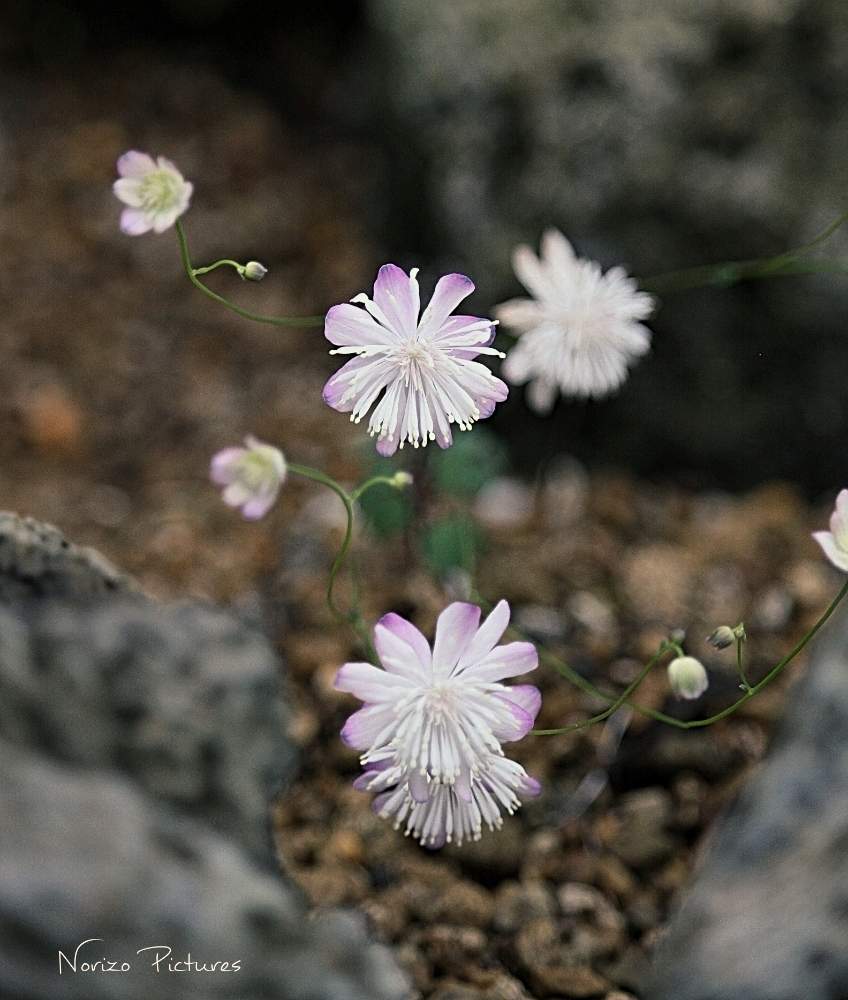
[{"x": 657, "y": 134}]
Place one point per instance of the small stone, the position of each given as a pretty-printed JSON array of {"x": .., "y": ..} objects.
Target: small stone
[
  {"x": 516, "y": 903},
  {"x": 464, "y": 903},
  {"x": 574, "y": 981},
  {"x": 613, "y": 876}
]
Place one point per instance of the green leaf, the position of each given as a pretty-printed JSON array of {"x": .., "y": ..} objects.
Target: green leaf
[
  {"x": 451, "y": 543},
  {"x": 474, "y": 458}
]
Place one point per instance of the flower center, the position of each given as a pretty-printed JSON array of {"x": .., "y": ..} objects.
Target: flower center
[
  {"x": 159, "y": 191},
  {"x": 414, "y": 359},
  {"x": 253, "y": 470}
]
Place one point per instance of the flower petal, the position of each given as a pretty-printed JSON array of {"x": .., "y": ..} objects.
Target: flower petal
[
  {"x": 515, "y": 726},
  {"x": 369, "y": 683},
  {"x": 134, "y": 222},
  {"x": 527, "y": 697},
  {"x": 487, "y": 635},
  {"x": 347, "y": 325},
  {"x": 222, "y": 468},
  {"x": 505, "y": 661},
  {"x": 392, "y": 629},
  {"x": 364, "y": 726},
  {"x": 396, "y": 294},
  {"x": 128, "y": 190},
  {"x": 339, "y": 390},
  {"x": 837, "y": 555},
  {"x": 455, "y": 629},
  {"x": 450, "y": 290},
  {"x": 135, "y": 164}
]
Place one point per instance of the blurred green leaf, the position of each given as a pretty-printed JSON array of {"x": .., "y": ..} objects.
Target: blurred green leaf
[
  {"x": 474, "y": 459},
  {"x": 452, "y": 543},
  {"x": 387, "y": 511}
]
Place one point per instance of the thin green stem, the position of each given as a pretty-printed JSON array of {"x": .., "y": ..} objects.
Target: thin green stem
[
  {"x": 219, "y": 263},
  {"x": 729, "y": 273},
  {"x": 362, "y": 489},
  {"x": 353, "y": 618},
  {"x": 740, "y": 663},
  {"x": 300, "y": 321},
  {"x": 665, "y": 647}
]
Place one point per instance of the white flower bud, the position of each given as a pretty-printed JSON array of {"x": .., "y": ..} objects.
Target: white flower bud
[
  {"x": 722, "y": 637},
  {"x": 401, "y": 479},
  {"x": 254, "y": 271},
  {"x": 687, "y": 677}
]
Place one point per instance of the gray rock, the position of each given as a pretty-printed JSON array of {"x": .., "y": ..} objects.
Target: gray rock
[
  {"x": 88, "y": 855},
  {"x": 185, "y": 700},
  {"x": 767, "y": 916},
  {"x": 37, "y": 561},
  {"x": 140, "y": 746}
]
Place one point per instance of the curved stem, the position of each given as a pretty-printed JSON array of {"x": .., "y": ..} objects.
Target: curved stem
[
  {"x": 362, "y": 489},
  {"x": 731, "y": 272},
  {"x": 665, "y": 647},
  {"x": 300, "y": 321},
  {"x": 354, "y": 616},
  {"x": 225, "y": 262}
]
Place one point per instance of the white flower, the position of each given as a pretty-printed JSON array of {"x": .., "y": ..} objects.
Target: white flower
[
  {"x": 154, "y": 191},
  {"x": 580, "y": 330},
  {"x": 835, "y": 542},
  {"x": 687, "y": 677},
  {"x": 423, "y": 369},
  {"x": 433, "y": 723},
  {"x": 251, "y": 476}
]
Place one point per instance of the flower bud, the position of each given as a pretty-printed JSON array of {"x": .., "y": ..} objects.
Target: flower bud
[
  {"x": 254, "y": 271},
  {"x": 687, "y": 677},
  {"x": 401, "y": 479},
  {"x": 722, "y": 637}
]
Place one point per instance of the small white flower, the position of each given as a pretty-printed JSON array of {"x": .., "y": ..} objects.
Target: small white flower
[
  {"x": 687, "y": 677},
  {"x": 251, "y": 476},
  {"x": 433, "y": 723},
  {"x": 581, "y": 329},
  {"x": 835, "y": 542},
  {"x": 155, "y": 192},
  {"x": 420, "y": 372}
]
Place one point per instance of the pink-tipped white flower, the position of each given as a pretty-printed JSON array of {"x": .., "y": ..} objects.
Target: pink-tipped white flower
[
  {"x": 433, "y": 722},
  {"x": 251, "y": 476},
  {"x": 579, "y": 331},
  {"x": 835, "y": 542},
  {"x": 422, "y": 369},
  {"x": 155, "y": 192}
]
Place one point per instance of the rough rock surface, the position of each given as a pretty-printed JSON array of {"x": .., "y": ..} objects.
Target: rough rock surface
[
  {"x": 37, "y": 561},
  {"x": 767, "y": 917},
  {"x": 139, "y": 745}
]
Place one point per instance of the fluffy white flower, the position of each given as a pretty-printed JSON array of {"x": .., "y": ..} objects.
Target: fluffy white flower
[
  {"x": 433, "y": 723},
  {"x": 581, "y": 329},
  {"x": 835, "y": 542},
  {"x": 251, "y": 476},
  {"x": 422, "y": 369},
  {"x": 155, "y": 192},
  {"x": 687, "y": 677}
]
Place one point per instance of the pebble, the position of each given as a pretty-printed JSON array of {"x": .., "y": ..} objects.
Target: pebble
[{"x": 516, "y": 903}]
